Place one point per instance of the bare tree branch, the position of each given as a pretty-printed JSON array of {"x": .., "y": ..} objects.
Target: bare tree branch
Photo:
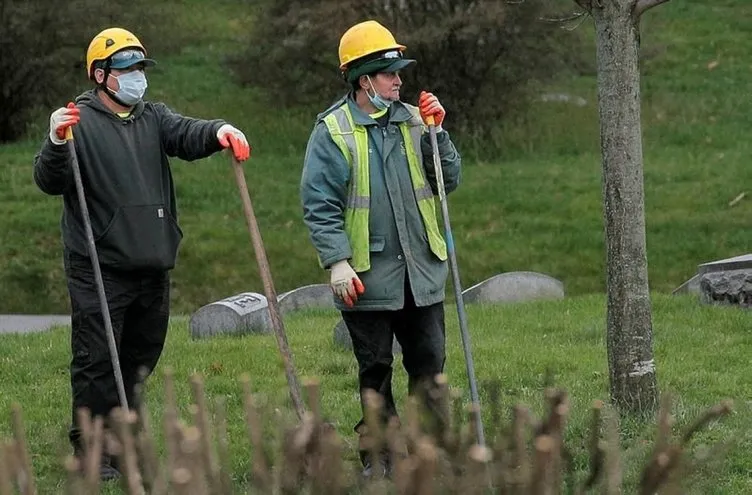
[
  {"x": 643, "y": 5},
  {"x": 557, "y": 20}
]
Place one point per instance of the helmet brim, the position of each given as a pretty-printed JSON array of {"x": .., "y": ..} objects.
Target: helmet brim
[
  {"x": 147, "y": 62},
  {"x": 379, "y": 65},
  {"x": 129, "y": 57},
  {"x": 398, "y": 65}
]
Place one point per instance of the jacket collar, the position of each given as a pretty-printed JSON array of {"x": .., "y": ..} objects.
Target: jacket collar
[{"x": 90, "y": 98}]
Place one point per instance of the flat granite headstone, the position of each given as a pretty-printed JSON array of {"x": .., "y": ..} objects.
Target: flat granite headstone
[
  {"x": 308, "y": 296},
  {"x": 342, "y": 338},
  {"x": 736, "y": 263},
  {"x": 242, "y": 313},
  {"x": 727, "y": 281},
  {"x": 514, "y": 287}
]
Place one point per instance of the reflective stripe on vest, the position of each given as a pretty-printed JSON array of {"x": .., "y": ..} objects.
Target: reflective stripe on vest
[{"x": 352, "y": 140}]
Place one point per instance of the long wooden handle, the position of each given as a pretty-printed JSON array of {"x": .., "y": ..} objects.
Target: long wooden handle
[
  {"x": 271, "y": 294},
  {"x": 94, "y": 257}
]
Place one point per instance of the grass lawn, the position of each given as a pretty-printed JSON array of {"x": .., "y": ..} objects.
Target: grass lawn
[
  {"x": 701, "y": 355},
  {"x": 529, "y": 200}
]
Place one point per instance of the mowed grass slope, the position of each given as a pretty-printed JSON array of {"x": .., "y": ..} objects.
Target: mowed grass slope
[{"x": 530, "y": 200}]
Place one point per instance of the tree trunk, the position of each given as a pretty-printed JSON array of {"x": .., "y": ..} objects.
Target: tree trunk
[{"x": 629, "y": 319}]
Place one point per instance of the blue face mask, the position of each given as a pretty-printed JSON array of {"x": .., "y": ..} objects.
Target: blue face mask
[
  {"x": 132, "y": 87},
  {"x": 376, "y": 100}
]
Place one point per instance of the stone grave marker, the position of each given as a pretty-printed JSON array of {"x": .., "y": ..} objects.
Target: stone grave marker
[
  {"x": 242, "y": 313},
  {"x": 514, "y": 287},
  {"x": 308, "y": 296},
  {"x": 727, "y": 281}
]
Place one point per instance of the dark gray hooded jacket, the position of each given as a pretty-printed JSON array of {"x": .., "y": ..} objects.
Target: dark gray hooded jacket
[{"x": 126, "y": 178}]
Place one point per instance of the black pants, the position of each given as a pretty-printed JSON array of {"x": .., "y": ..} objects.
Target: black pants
[
  {"x": 421, "y": 334},
  {"x": 139, "y": 311}
]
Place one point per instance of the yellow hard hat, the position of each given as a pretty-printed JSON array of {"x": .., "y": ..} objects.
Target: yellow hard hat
[
  {"x": 110, "y": 41},
  {"x": 364, "y": 39}
]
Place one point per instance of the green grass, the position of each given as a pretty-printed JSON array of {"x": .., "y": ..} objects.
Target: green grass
[
  {"x": 514, "y": 344},
  {"x": 530, "y": 199}
]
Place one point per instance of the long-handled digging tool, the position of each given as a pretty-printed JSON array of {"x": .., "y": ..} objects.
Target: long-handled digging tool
[
  {"x": 97, "y": 270},
  {"x": 456, "y": 284},
  {"x": 271, "y": 294}
]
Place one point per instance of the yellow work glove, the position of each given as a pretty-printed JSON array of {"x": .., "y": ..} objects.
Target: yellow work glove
[{"x": 345, "y": 283}]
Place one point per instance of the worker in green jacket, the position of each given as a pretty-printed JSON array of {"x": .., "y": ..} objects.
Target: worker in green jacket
[{"x": 367, "y": 191}]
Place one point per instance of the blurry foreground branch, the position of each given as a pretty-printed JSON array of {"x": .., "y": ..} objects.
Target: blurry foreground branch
[{"x": 527, "y": 456}]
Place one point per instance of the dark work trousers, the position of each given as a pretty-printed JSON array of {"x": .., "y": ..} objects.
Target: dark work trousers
[
  {"x": 421, "y": 334},
  {"x": 139, "y": 309}
]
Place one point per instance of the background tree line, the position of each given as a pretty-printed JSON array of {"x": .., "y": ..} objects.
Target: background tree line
[{"x": 482, "y": 56}]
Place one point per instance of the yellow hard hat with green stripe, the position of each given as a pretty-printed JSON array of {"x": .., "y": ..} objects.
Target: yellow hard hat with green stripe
[
  {"x": 364, "y": 39},
  {"x": 370, "y": 47}
]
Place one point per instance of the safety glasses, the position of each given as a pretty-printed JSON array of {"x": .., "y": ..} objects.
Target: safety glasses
[{"x": 127, "y": 58}]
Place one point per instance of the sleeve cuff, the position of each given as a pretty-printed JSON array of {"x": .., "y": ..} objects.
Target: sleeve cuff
[{"x": 332, "y": 259}]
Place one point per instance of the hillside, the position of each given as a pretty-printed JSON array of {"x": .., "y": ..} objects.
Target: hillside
[{"x": 536, "y": 206}]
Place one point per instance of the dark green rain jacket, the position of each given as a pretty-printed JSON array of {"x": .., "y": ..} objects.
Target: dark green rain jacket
[{"x": 398, "y": 243}]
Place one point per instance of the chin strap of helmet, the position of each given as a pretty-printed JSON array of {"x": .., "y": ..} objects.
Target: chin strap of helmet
[{"x": 103, "y": 85}]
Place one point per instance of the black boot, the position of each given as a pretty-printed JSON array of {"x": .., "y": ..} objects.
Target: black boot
[
  {"x": 108, "y": 469},
  {"x": 382, "y": 468}
]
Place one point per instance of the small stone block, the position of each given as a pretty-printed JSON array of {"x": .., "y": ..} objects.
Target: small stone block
[{"x": 733, "y": 287}]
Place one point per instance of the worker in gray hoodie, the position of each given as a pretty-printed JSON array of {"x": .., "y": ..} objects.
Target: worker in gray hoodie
[{"x": 123, "y": 145}]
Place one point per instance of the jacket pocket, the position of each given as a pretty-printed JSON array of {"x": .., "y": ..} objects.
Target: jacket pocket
[
  {"x": 140, "y": 237},
  {"x": 376, "y": 244}
]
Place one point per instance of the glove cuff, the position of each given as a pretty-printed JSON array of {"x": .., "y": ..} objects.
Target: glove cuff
[
  {"x": 223, "y": 129},
  {"x": 339, "y": 263},
  {"x": 55, "y": 140}
]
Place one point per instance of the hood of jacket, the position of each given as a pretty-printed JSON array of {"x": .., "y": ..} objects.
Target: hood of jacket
[{"x": 91, "y": 99}]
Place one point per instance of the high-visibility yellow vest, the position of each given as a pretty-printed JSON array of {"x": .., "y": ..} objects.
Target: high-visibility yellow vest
[{"x": 352, "y": 140}]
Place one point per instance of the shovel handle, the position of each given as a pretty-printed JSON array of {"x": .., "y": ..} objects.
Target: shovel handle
[
  {"x": 104, "y": 308},
  {"x": 271, "y": 295}
]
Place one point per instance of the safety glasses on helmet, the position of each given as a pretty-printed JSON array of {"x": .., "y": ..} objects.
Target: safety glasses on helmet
[
  {"x": 127, "y": 58},
  {"x": 390, "y": 55}
]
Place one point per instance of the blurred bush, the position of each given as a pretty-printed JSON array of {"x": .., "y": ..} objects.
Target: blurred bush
[
  {"x": 43, "y": 50},
  {"x": 479, "y": 56}
]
